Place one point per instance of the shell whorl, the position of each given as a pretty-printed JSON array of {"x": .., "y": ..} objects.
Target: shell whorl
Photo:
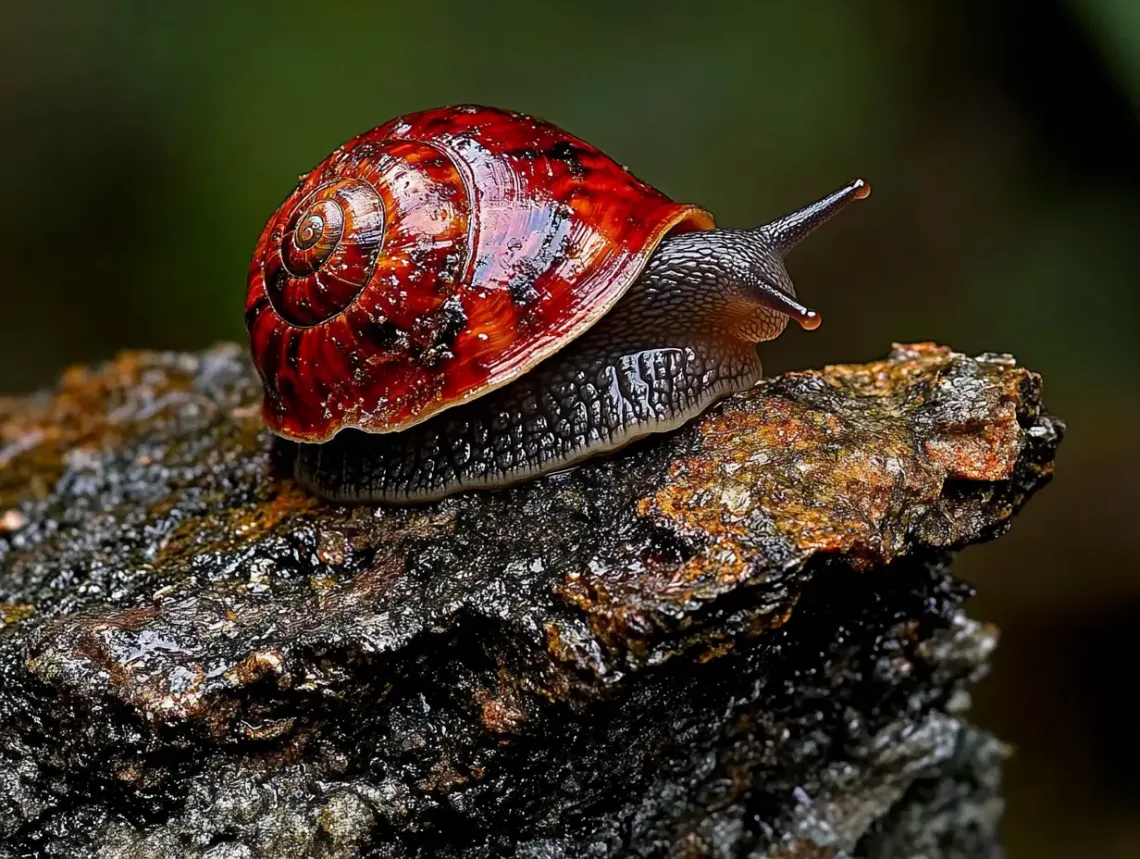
[
  {"x": 328, "y": 251},
  {"x": 355, "y": 277}
]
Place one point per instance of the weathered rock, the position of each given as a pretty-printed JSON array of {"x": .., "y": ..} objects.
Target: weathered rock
[{"x": 739, "y": 640}]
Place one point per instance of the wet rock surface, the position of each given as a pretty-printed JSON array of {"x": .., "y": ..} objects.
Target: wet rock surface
[{"x": 739, "y": 640}]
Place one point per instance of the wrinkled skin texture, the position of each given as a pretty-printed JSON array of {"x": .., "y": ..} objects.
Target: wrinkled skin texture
[{"x": 738, "y": 639}]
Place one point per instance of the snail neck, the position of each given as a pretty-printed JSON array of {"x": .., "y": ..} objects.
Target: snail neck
[{"x": 730, "y": 283}]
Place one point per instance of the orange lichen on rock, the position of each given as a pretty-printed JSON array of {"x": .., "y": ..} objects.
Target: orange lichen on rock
[
  {"x": 89, "y": 410},
  {"x": 848, "y": 462},
  {"x": 851, "y": 479}
]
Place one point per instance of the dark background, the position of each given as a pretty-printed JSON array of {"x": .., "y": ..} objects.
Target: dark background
[{"x": 144, "y": 144}]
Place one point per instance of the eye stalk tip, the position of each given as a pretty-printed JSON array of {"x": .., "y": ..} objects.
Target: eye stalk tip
[
  {"x": 784, "y": 233},
  {"x": 809, "y": 320}
]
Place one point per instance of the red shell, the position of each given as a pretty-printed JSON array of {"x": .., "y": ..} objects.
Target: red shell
[{"x": 435, "y": 258}]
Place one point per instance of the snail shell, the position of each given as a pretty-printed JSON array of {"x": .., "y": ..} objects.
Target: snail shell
[{"x": 438, "y": 257}]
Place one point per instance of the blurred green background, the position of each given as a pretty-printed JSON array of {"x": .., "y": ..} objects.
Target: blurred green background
[{"x": 145, "y": 144}]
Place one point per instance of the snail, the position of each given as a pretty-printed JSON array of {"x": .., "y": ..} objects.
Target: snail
[{"x": 467, "y": 297}]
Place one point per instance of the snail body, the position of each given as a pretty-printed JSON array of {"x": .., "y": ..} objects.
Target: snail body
[{"x": 466, "y": 298}]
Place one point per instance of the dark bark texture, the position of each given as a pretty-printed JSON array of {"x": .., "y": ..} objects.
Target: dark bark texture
[{"x": 738, "y": 640}]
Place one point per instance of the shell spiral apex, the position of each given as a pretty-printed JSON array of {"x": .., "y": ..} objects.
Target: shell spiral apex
[{"x": 327, "y": 251}]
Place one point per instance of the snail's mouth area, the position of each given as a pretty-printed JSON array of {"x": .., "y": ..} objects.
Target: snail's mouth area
[{"x": 743, "y": 318}]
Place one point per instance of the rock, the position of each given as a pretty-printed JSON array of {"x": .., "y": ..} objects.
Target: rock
[{"x": 742, "y": 639}]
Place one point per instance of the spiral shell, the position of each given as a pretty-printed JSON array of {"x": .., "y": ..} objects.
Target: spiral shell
[
  {"x": 328, "y": 251},
  {"x": 435, "y": 258}
]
